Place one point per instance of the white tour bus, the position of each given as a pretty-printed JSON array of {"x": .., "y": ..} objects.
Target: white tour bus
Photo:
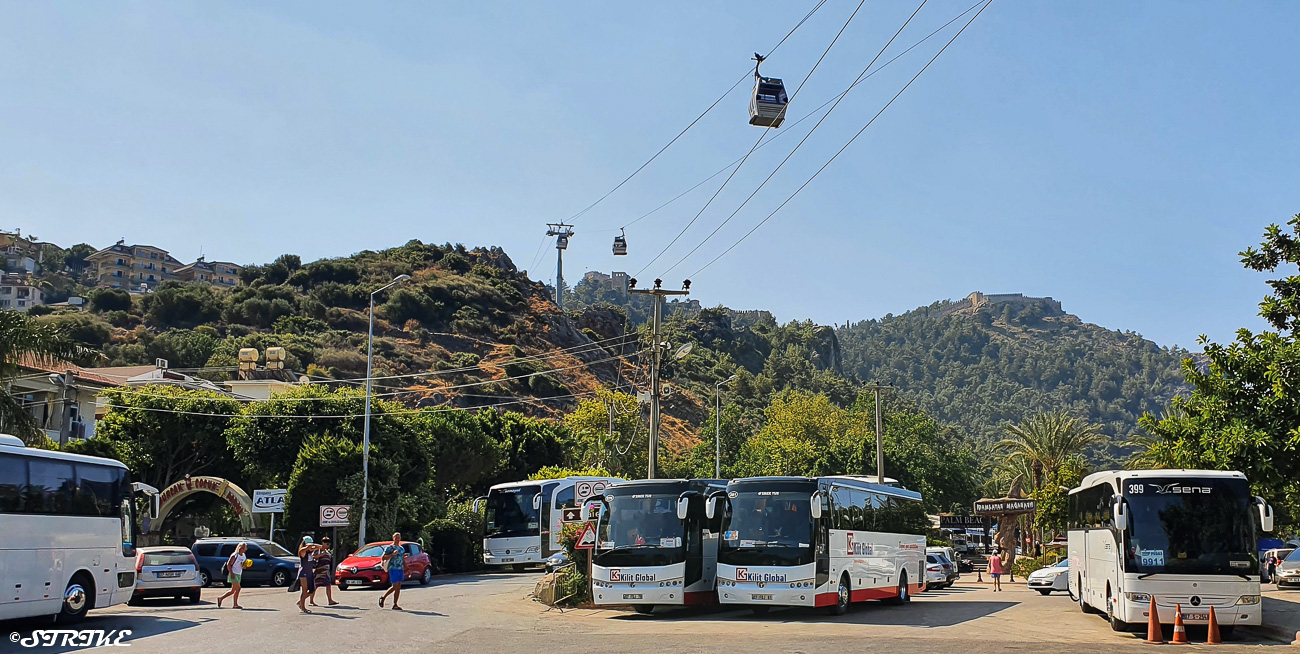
[
  {"x": 67, "y": 532},
  {"x": 524, "y": 518},
  {"x": 654, "y": 544},
  {"x": 818, "y": 541},
  {"x": 1184, "y": 537}
]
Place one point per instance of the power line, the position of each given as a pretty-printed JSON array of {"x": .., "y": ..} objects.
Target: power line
[
  {"x": 801, "y": 141},
  {"x": 762, "y": 136},
  {"x": 850, "y": 142}
]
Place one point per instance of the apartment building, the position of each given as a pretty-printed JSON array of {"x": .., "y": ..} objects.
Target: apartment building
[
  {"x": 19, "y": 292},
  {"x": 20, "y": 254},
  {"x": 218, "y": 273},
  {"x": 133, "y": 267}
]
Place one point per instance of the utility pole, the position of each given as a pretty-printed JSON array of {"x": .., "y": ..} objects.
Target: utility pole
[
  {"x": 717, "y": 425},
  {"x": 562, "y": 232},
  {"x": 880, "y": 434},
  {"x": 658, "y": 294}
]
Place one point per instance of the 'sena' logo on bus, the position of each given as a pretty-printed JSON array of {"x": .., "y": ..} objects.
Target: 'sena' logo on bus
[
  {"x": 743, "y": 574},
  {"x": 1178, "y": 489},
  {"x": 617, "y": 574}
]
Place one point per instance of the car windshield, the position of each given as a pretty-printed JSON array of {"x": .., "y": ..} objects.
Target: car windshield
[
  {"x": 371, "y": 550},
  {"x": 274, "y": 549},
  {"x": 641, "y": 520},
  {"x": 1293, "y": 556},
  {"x": 1190, "y": 526},
  {"x": 510, "y": 512},
  {"x": 1063, "y": 563}
]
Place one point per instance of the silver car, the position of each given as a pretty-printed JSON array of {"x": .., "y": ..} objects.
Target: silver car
[
  {"x": 166, "y": 572},
  {"x": 1288, "y": 571}
]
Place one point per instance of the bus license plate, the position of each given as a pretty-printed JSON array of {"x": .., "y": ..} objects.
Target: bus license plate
[
  {"x": 1195, "y": 616},
  {"x": 508, "y": 560},
  {"x": 632, "y": 596},
  {"x": 758, "y": 596},
  {"x": 164, "y": 575}
]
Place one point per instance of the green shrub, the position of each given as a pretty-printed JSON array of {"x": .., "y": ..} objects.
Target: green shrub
[
  {"x": 450, "y": 545},
  {"x": 572, "y": 586}
]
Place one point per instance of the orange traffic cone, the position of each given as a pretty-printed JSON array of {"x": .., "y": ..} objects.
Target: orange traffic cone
[
  {"x": 1212, "y": 636},
  {"x": 1154, "y": 635},
  {"x": 1180, "y": 631}
]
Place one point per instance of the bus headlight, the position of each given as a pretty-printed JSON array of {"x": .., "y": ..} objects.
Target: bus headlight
[
  {"x": 1138, "y": 597},
  {"x": 1248, "y": 599},
  {"x": 532, "y": 550}
]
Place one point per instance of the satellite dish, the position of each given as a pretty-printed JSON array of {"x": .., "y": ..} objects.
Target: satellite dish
[{"x": 683, "y": 351}]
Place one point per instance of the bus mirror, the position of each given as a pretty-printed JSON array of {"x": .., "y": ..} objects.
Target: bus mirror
[
  {"x": 537, "y": 501},
  {"x": 816, "y": 502},
  {"x": 155, "y": 505},
  {"x": 478, "y": 504},
  {"x": 711, "y": 510},
  {"x": 1120, "y": 516},
  {"x": 683, "y": 507},
  {"x": 1265, "y": 514}
]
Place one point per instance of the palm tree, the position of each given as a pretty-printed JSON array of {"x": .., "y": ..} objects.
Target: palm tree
[
  {"x": 24, "y": 339},
  {"x": 1047, "y": 440}
]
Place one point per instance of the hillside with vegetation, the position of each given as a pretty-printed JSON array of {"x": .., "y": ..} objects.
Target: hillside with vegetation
[{"x": 980, "y": 368}]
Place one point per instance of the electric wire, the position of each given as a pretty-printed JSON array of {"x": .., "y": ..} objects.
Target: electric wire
[
  {"x": 805, "y": 138},
  {"x": 850, "y": 141},
  {"x": 759, "y": 141}
]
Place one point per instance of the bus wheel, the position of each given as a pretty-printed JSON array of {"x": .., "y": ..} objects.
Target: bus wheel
[
  {"x": 904, "y": 591},
  {"x": 76, "y": 599},
  {"x": 843, "y": 596},
  {"x": 644, "y": 609},
  {"x": 1115, "y": 623}
]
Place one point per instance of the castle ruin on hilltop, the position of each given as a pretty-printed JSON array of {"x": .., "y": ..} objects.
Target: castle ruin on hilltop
[{"x": 1017, "y": 301}]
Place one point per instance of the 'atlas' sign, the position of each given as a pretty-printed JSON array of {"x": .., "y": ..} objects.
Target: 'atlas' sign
[{"x": 269, "y": 501}]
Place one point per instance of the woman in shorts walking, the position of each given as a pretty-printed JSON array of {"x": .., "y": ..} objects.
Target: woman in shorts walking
[
  {"x": 307, "y": 550},
  {"x": 995, "y": 570},
  {"x": 324, "y": 572},
  {"x": 234, "y": 574}
]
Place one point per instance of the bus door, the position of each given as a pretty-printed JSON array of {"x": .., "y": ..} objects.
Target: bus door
[{"x": 548, "y": 516}]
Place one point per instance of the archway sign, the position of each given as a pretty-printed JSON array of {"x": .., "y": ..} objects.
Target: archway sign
[
  {"x": 1007, "y": 510},
  {"x": 235, "y": 496}
]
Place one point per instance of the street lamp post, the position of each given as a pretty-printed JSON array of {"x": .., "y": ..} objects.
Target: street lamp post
[
  {"x": 365, "y": 429},
  {"x": 717, "y": 424}
]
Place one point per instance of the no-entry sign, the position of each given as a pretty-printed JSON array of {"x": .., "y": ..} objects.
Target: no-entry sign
[{"x": 335, "y": 515}]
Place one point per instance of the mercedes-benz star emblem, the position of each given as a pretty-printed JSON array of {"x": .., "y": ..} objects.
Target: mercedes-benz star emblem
[{"x": 1196, "y": 600}]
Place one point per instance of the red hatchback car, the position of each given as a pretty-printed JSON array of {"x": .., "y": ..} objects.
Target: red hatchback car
[{"x": 365, "y": 567}]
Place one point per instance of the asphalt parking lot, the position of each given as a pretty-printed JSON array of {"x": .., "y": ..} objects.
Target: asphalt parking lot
[{"x": 493, "y": 612}]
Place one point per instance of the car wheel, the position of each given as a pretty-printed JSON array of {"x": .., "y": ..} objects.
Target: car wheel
[
  {"x": 280, "y": 578},
  {"x": 205, "y": 578},
  {"x": 77, "y": 599},
  {"x": 196, "y": 597},
  {"x": 843, "y": 596},
  {"x": 426, "y": 577},
  {"x": 644, "y": 609},
  {"x": 1044, "y": 591}
]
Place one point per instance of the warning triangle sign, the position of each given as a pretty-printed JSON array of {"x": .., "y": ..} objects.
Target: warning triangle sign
[{"x": 587, "y": 540}]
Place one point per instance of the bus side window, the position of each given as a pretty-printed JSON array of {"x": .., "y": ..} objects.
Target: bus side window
[
  {"x": 51, "y": 487},
  {"x": 13, "y": 481},
  {"x": 565, "y": 499}
]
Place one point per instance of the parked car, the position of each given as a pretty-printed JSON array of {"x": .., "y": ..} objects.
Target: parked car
[
  {"x": 365, "y": 567},
  {"x": 935, "y": 577},
  {"x": 948, "y": 558},
  {"x": 556, "y": 561},
  {"x": 166, "y": 572},
  {"x": 1281, "y": 553},
  {"x": 1288, "y": 571},
  {"x": 272, "y": 564},
  {"x": 1053, "y": 577}
]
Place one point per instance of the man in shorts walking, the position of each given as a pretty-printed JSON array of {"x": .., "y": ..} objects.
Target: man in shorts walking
[{"x": 395, "y": 560}]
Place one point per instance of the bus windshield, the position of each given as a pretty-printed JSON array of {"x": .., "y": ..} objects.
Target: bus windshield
[
  {"x": 1190, "y": 526},
  {"x": 769, "y": 519},
  {"x": 510, "y": 512},
  {"x": 641, "y": 521}
]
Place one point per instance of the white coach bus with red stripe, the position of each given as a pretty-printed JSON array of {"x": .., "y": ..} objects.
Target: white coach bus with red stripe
[
  {"x": 654, "y": 546},
  {"x": 818, "y": 541}
]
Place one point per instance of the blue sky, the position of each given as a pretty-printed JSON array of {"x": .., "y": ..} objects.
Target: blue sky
[{"x": 1115, "y": 156}]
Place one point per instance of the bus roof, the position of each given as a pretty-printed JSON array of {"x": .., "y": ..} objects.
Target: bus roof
[
  {"x": 720, "y": 483},
  {"x": 539, "y": 482},
  {"x": 7, "y": 448},
  {"x": 1107, "y": 475},
  {"x": 847, "y": 481}
]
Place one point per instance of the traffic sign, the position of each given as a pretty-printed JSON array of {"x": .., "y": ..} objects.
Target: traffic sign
[
  {"x": 587, "y": 539},
  {"x": 583, "y": 489},
  {"x": 571, "y": 514},
  {"x": 334, "y": 515}
]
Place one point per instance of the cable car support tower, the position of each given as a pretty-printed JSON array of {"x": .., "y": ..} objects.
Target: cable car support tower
[{"x": 562, "y": 232}]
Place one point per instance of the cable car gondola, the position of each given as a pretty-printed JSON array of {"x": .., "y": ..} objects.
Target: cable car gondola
[
  {"x": 562, "y": 243},
  {"x": 768, "y": 101},
  {"x": 620, "y": 244}
]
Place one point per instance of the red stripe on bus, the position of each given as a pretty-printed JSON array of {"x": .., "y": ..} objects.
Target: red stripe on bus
[
  {"x": 700, "y": 597},
  {"x": 864, "y": 595}
]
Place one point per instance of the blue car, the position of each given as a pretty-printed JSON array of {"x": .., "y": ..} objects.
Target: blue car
[{"x": 272, "y": 564}]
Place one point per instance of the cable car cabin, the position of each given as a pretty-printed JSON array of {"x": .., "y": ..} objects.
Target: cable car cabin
[
  {"x": 620, "y": 245},
  {"x": 767, "y": 105},
  {"x": 562, "y": 243}
]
